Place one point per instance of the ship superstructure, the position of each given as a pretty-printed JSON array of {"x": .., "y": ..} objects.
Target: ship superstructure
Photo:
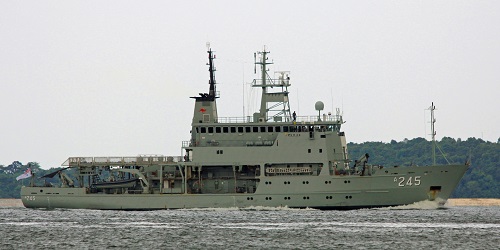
[{"x": 272, "y": 158}]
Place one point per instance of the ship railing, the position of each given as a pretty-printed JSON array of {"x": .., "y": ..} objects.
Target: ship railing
[
  {"x": 322, "y": 118},
  {"x": 246, "y": 119},
  {"x": 119, "y": 160},
  {"x": 271, "y": 83},
  {"x": 299, "y": 119},
  {"x": 228, "y": 143}
]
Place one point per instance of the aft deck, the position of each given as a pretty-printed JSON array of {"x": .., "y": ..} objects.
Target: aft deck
[{"x": 122, "y": 161}]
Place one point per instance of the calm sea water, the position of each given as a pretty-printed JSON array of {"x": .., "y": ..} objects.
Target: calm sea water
[{"x": 418, "y": 226}]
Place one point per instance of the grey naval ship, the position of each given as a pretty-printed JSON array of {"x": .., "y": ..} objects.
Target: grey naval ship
[{"x": 272, "y": 158}]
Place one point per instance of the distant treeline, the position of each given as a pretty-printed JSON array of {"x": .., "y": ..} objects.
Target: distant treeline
[{"x": 482, "y": 180}]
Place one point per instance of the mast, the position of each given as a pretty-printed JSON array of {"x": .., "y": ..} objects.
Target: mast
[
  {"x": 263, "y": 63},
  {"x": 277, "y": 99},
  {"x": 205, "y": 109},
  {"x": 433, "y": 120},
  {"x": 211, "y": 69},
  {"x": 434, "y": 143}
]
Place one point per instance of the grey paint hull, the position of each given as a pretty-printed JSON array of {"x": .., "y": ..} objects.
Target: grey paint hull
[
  {"x": 399, "y": 186},
  {"x": 270, "y": 159}
]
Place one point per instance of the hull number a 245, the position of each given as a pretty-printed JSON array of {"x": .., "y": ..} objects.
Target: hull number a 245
[
  {"x": 29, "y": 197},
  {"x": 407, "y": 181}
]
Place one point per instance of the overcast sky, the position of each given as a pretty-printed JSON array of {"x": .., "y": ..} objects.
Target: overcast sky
[{"x": 113, "y": 78}]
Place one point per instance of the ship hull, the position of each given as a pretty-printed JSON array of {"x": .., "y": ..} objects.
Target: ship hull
[{"x": 389, "y": 187}]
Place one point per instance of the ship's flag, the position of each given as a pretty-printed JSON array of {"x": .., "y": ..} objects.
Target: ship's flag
[{"x": 27, "y": 174}]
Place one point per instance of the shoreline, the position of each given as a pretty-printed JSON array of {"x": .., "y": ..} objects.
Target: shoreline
[
  {"x": 458, "y": 202},
  {"x": 481, "y": 202}
]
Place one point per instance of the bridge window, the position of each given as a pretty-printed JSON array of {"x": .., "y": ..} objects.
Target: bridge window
[
  {"x": 210, "y": 130},
  {"x": 217, "y": 129},
  {"x": 203, "y": 130},
  {"x": 270, "y": 129},
  {"x": 233, "y": 129},
  {"x": 225, "y": 129},
  {"x": 262, "y": 129},
  {"x": 277, "y": 129},
  {"x": 285, "y": 128},
  {"x": 248, "y": 129},
  {"x": 240, "y": 129},
  {"x": 256, "y": 129}
]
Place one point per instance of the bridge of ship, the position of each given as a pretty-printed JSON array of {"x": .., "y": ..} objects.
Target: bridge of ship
[{"x": 242, "y": 125}]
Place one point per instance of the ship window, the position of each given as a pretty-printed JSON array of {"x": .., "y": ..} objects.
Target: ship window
[
  {"x": 248, "y": 129},
  {"x": 285, "y": 128},
  {"x": 203, "y": 130},
  {"x": 225, "y": 129},
  {"x": 309, "y": 151},
  {"x": 217, "y": 129},
  {"x": 321, "y": 150},
  {"x": 323, "y": 136},
  {"x": 277, "y": 129},
  {"x": 240, "y": 129},
  {"x": 206, "y": 117},
  {"x": 210, "y": 130},
  {"x": 262, "y": 129},
  {"x": 233, "y": 130},
  {"x": 270, "y": 129},
  {"x": 256, "y": 129},
  {"x": 197, "y": 130}
]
